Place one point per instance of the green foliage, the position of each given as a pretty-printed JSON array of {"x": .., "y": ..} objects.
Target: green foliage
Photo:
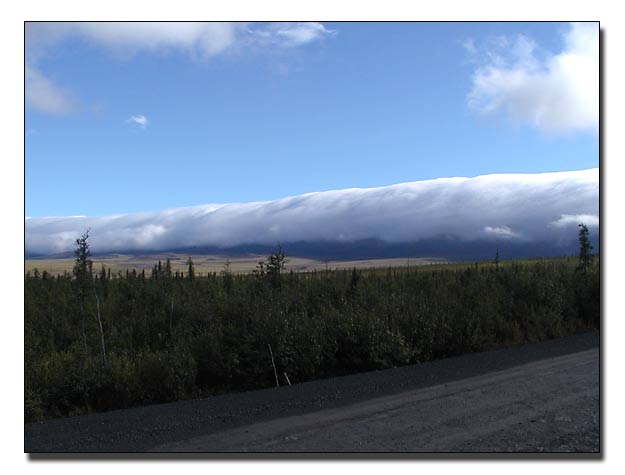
[
  {"x": 190, "y": 268},
  {"x": 585, "y": 248},
  {"x": 165, "y": 376},
  {"x": 83, "y": 268},
  {"x": 170, "y": 338}
]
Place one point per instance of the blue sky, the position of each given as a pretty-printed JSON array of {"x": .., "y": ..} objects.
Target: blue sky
[{"x": 127, "y": 118}]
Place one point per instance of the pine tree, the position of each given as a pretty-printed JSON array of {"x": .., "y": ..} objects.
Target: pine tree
[
  {"x": 275, "y": 265},
  {"x": 585, "y": 248},
  {"x": 83, "y": 267},
  {"x": 226, "y": 276},
  {"x": 190, "y": 268},
  {"x": 353, "y": 283}
]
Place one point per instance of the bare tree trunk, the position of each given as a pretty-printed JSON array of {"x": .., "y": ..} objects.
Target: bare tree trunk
[
  {"x": 82, "y": 317},
  {"x": 275, "y": 373},
  {"x": 171, "y": 316},
  {"x": 103, "y": 349}
]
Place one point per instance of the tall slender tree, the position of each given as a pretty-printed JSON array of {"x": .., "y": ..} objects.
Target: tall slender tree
[
  {"x": 190, "y": 268},
  {"x": 585, "y": 248},
  {"x": 168, "y": 272},
  {"x": 83, "y": 266},
  {"x": 83, "y": 271}
]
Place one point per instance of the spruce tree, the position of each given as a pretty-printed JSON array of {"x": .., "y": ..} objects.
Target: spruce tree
[
  {"x": 83, "y": 266},
  {"x": 585, "y": 248},
  {"x": 190, "y": 268},
  {"x": 275, "y": 265}
]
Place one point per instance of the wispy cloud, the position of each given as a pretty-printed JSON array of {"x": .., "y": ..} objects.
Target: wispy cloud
[
  {"x": 200, "y": 41},
  {"x": 568, "y": 220},
  {"x": 290, "y": 35},
  {"x": 469, "y": 46},
  {"x": 46, "y": 96},
  {"x": 509, "y": 207},
  {"x": 555, "y": 93},
  {"x": 140, "y": 121},
  {"x": 500, "y": 232}
]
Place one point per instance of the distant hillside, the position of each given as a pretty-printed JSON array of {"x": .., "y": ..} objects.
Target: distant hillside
[
  {"x": 444, "y": 248},
  {"x": 447, "y": 248}
]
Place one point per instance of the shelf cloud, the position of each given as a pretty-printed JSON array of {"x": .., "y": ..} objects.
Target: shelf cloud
[{"x": 511, "y": 207}]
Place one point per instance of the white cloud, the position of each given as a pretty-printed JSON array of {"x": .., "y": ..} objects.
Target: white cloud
[
  {"x": 507, "y": 206},
  {"x": 569, "y": 220},
  {"x": 198, "y": 40},
  {"x": 45, "y": 96},
  {"x": 469, "y": 46},
  {"x": 140, "y": 120},
  {"x": 296, "y": 34},
  {"x": 555, "y": 93},
  {"x": 500, "y": 232}
]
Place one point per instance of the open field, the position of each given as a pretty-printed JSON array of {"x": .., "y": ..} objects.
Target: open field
[{"x": 215, "y": 263}]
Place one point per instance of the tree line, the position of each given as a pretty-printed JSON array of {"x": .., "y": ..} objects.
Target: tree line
[{"x": 96, "y": 340}]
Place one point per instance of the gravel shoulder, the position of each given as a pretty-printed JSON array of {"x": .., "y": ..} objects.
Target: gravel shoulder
[{"x": 541, "y": 397}]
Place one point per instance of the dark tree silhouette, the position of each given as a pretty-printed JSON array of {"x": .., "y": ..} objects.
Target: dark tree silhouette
[
  {"x": 276, "y": 262},
  {"x": 585, "y": 248},
  {"x": 83, "y": 267},
  {"x": 190, "y": 268}
]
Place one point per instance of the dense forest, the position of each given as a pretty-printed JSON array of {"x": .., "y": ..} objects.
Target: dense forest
[{"x": 96, "y": 340}]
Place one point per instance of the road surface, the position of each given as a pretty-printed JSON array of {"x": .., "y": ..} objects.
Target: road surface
[
  {"x": 550, "y": 405},
  {"x": 540, "y": 397}
]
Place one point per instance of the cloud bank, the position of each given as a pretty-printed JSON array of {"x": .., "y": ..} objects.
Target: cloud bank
[
  {"x": 555, "y": 93},
  {"x": 198, "y": 40},
  {"x": 518, "y": 207}
]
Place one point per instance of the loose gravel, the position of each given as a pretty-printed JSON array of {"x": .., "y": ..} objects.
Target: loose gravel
[{"x": 144, "y": 428}]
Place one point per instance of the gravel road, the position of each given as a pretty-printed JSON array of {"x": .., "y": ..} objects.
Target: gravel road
[{"x": 542, "y": 397}]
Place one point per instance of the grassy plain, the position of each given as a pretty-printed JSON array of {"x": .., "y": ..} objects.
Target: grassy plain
[{"x": 215, "y": 263}]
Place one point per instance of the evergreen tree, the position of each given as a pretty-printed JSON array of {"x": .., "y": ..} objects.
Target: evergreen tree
[
  {"x": 276, "y": 263},
  {"x": 353, "y": 284},
  {"x": 226, "y": 275},
  {"x": 168, "y": 272},
  {"x": 585, "y": 248},
  {"x": 190, "y": 268},
  {"x": 83, "y": 267}
]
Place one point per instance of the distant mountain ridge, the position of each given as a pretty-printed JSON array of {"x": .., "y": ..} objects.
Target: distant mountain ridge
[{"x": 444, "y": 248}]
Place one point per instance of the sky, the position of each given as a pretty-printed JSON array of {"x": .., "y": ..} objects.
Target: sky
[{"x": 126, "y": 118}]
